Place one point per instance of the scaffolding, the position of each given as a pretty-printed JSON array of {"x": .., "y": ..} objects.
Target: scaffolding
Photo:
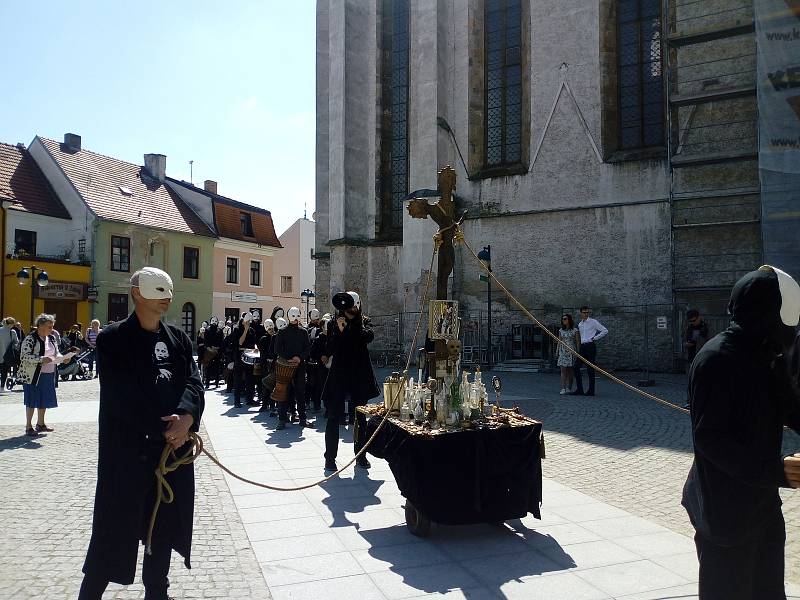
[{"x": 713, "y": 148}]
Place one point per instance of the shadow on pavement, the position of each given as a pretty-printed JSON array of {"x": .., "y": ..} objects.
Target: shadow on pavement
[
  {"x": 493, "y": 555},
  {"x": 356, "y": 504},
  {"x": 19, "y": 442}
]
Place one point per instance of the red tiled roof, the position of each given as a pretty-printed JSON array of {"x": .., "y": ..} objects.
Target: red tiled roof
[
  {"x": 229, "y": 224},
  {"x": 23, "y": 183},
  {"x": 99, "y": 178}
]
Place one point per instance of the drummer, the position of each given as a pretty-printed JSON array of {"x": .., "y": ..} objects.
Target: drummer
[
  {"x": 292, "y": 345},
  {"x": 244, "y": 338}
]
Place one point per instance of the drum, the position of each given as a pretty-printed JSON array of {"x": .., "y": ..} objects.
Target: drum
[
  {"x": 209, "y": 355},
  {"x": 284, "y": 371},
  {"x": 251, "y": 357}
]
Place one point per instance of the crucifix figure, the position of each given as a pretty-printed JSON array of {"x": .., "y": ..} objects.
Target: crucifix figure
[{"x": 443, "y": 214}]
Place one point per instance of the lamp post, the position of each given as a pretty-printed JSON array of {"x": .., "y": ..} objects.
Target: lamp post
[
  {"x": 27, "y": 274},
  {"x": 486, "y": 256},
  {"x": 307, "y": 294}
]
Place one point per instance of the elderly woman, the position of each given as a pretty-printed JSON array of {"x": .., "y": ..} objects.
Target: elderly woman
[
  {"x": 38, "y": 358},
  {"x": 91, "y": 340}
]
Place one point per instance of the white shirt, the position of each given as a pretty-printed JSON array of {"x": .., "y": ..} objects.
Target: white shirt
[{"x": 591, "y": 330}]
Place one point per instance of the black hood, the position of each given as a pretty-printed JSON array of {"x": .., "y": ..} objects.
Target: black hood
[{"x": 755, "y": 306}]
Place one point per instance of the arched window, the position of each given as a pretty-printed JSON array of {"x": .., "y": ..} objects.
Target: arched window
[{"x": 187, "y": 319}]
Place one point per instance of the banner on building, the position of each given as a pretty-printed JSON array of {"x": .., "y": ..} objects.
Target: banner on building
[{"x": 778, "y": 59}]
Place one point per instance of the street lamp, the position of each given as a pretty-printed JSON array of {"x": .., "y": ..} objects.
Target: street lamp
[
  {"x": 27, "y": 274},
  {"x": 307, "y": 294},
  {"x": 486, "y": 257}
]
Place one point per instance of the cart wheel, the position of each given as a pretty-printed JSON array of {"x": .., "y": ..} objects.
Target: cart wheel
[{"x": 417, "y": 523}]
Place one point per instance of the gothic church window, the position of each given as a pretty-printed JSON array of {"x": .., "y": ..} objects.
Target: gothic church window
[
  {"x": 640, "y": 86},
  {"x": 503, "y": 64},
  {"x": 394, "y": 121}
]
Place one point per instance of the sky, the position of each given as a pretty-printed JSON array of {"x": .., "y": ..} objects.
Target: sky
[{"x": 228, "y": 85}]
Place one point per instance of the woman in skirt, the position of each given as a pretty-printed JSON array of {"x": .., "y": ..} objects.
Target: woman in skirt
[
  {"x": 569, "y": 335},
  {"x": 39, "y": 356}
]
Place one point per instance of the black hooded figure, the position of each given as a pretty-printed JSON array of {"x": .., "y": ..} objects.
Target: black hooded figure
[
  {"x": 741, "y": 396},
  {"x": 350, "y": 378}
]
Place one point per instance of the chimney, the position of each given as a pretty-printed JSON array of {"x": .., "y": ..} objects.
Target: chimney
[
  {"x": 72, "y": 141},
  {"x": 210, "y": 186},
  {"x": 156, "y": 165}
]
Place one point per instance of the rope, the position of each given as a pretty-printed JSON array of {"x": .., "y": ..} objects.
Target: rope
[
  {"x": 556, "y": 339},
  {"x": 164, "y": 492}
]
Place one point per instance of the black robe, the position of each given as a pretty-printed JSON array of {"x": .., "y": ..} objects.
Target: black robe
[
  {"x": 740, "y": 399},
  {"x": 351, "y": 371},
  {"x": 130, "y": 445}
]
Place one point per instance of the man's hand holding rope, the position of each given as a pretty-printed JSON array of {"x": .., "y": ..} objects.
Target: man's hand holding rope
[{"x": 177, "y": 432}]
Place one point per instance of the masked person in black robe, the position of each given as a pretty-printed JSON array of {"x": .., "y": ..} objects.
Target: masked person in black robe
[
  {"x": 243, "y": 338},
  {"x": 150, "y": 395},
  {"x": 741, "y": 396},
  {"x": 212, "y": 370},
  {"x": 292, "y": 344},
  {"x": 350, "y": 378}
]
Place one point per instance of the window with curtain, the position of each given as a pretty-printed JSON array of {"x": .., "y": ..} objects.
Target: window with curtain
[
  {"x": 641, "y": 90},
  {"x": 503, "y": 64},
  {"x": 394, "y": 122},
  {"x": 255, "y": 273},
  {"x": 120, "y": 253},
  {"x": 232, "y": 270},
  {"x": 187, "y": 319},
  {"x": 191, "y": 263}
]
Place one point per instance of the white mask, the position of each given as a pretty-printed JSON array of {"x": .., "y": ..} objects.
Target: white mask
[
  {"x": 294, "y": 315},
  {"x": 281, "y": 323}
]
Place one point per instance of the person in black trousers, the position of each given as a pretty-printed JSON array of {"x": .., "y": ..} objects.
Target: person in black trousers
[
  {"x": 591, "y": 330},
  {"x": 742, "y": 391},
  {"x": 292, "y": 344},
  {"x": 350, "y": 378},
  {"x": 243, "y": 338},
  {"x": 151, "y": 395}
]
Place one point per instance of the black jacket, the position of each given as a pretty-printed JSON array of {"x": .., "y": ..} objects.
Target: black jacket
[
  {"x": 292, "y": 341},
  {"x": 351, "y": 371},
  {"x": 130, "y": 445},
  {"x": 740, "y": 399},
  {"x": 213, "y": 336}
]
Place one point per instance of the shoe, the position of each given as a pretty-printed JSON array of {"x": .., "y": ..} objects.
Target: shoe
[
  {"x": 304, "y": 423},
  {"x": 272, "y": 413},
  {"x": 44, "y": 427},
  {"x": 363, "y": 463},
  {"x": 252, "y": 403},
  {"x": 563, "y": 391},
  {"x": 280, "y": 425},
  {"x": 237, "y": 405},
  {"x": 263, "y": 409},
  {"x": 576, "y": 393},
  {"x": 31, "y": 432},
  {"x": 330, "y": 465}
]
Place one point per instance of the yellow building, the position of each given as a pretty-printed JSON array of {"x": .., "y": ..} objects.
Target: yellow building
[{"x": 38, "y": 231}]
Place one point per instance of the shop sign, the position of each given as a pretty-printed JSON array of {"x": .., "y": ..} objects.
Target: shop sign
[
  {"x": 62, "y": 290},
  {"x": 244, "y": 297},
  {"x": 661, "y": 322}
]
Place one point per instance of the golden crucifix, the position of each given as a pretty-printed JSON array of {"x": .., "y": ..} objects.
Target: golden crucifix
[{"x": 443, "y": 214}]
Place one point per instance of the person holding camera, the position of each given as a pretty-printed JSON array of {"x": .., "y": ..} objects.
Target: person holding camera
[{"x": 350, "y": 379}]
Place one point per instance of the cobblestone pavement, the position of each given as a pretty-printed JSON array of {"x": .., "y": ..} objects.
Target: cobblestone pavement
[
  {"x": 629, "y": 451},
  {"x": 46, "y": 511}
]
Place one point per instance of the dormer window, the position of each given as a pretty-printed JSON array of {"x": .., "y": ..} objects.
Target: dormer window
[
  {"x": 247, "y": 224},
  {"x": 126, "y": 191}
]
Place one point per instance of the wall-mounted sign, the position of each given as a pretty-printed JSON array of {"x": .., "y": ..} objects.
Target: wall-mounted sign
[
  {"x": 244, "y": 297},
  {"x": 661, "y": 322},
  {"x": 62, "y": 290},
  {"x": 91, "y": 293}
]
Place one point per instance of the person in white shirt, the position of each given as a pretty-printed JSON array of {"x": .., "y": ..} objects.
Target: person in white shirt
[{"x": 591, "y": 330}]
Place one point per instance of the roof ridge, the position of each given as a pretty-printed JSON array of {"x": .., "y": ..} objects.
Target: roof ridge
[
  {"x": 119, "y": 160},
  {"x": 219, "y": 196}
]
